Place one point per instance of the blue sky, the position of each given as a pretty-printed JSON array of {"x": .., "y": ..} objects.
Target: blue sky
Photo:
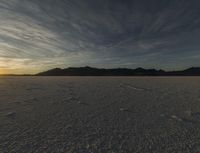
[{"x": 36, "y": 35}]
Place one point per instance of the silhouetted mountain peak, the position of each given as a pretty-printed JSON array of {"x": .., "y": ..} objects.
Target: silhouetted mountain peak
[{"x": 139, "y": 69}]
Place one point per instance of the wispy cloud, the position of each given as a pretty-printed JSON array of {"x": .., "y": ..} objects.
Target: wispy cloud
[{"x": 47, "y": 33}]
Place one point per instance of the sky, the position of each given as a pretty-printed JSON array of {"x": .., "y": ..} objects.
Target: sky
[{"x": 36, "y": 35}]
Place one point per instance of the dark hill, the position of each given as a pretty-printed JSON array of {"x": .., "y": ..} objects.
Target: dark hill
[{"x": 90, "y": 71}]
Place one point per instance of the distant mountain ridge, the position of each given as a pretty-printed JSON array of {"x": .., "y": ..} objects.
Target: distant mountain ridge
[{"x": 91, "y": 71}]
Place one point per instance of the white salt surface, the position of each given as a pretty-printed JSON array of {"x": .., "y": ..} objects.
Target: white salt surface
[{"x": 99, "y": 114}]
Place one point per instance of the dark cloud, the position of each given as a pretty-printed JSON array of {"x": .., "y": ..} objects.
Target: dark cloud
[{"x": 103, "y": 33}]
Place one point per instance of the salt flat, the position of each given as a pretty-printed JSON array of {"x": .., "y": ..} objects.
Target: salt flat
[{"x": 99, "y": 114}]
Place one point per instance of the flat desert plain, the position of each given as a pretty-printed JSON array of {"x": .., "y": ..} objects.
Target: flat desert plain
[{"x": 99, "y": 114}]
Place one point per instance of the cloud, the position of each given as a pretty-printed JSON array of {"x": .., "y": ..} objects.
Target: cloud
[{"x": 103, "y": 33}]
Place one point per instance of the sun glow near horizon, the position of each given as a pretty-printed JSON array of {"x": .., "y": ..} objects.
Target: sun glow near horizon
[
  {"x": 18, "y": 66},
  {"x": 8, "y": 71},
  {"x": 18, "y": 71},
  {"x": 2, "y": 71}
]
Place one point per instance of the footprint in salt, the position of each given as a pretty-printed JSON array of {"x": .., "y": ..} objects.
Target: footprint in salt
[
  {"x": 82, "y": 103},
  {"x": 11, "y": 115},
  {"x": 172, "y": 117},
  {"x": 17, "y": 102},
  {"x": 176, "y": 118},
  {"x": 123, "y": 110}
]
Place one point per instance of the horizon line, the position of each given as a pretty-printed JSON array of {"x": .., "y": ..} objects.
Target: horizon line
[{"x": 157, "y": 69}]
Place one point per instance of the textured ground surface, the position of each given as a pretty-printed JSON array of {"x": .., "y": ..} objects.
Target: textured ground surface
[{"x": 99, "y": 114}]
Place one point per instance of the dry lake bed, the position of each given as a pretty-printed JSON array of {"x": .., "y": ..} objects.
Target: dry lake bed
[{"x": 99, "y": 114}]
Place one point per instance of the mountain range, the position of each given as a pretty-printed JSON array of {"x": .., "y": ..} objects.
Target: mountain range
[{"x": 91, "y": 71}]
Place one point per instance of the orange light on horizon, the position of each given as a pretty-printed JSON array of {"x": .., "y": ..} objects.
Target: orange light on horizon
[
  {"x": 3, "y": 71},
  {"x": 18, "y": 71},
  {"x": 6, "y": 71}
]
